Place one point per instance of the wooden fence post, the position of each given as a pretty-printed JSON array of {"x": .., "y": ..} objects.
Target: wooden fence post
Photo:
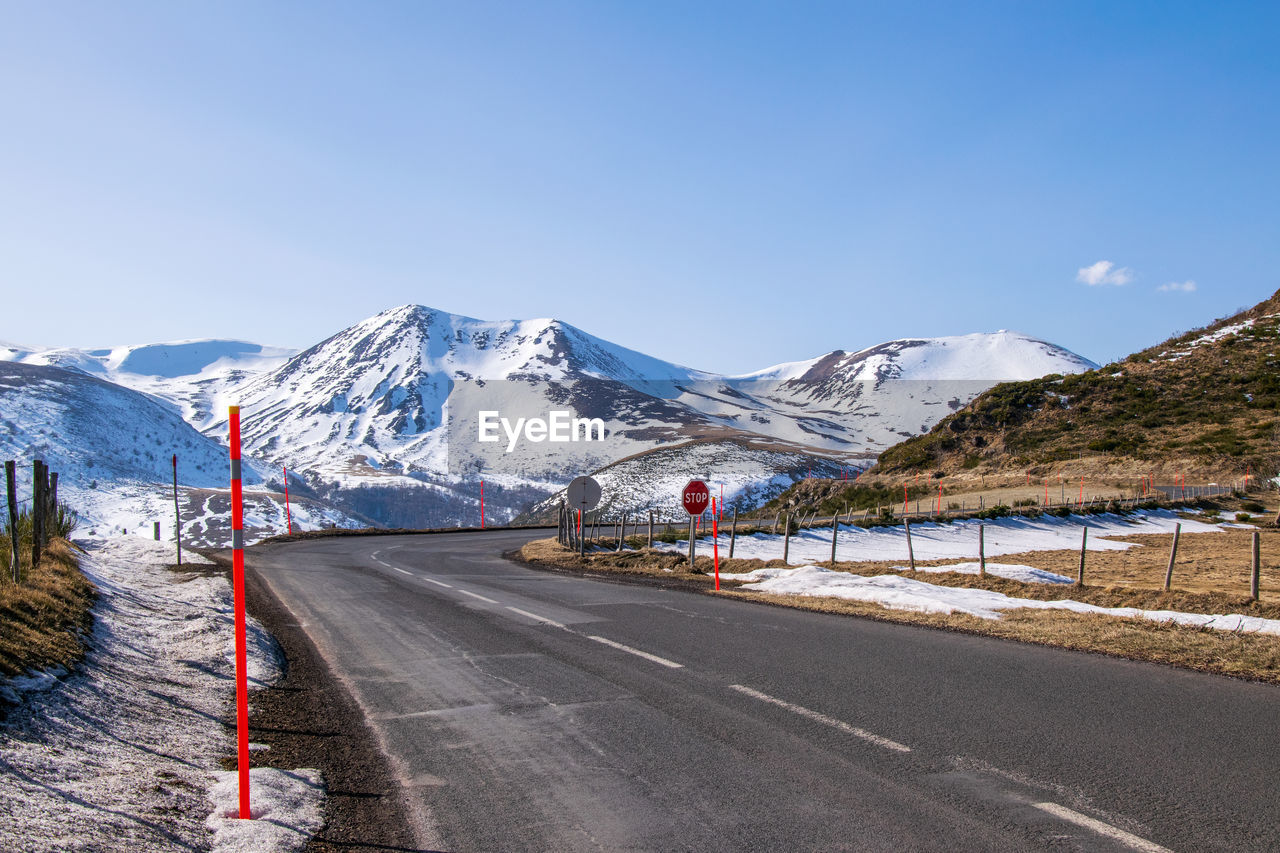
[
  {"x": 733, "y": 532},
  {"x": 37, "y": 510},
  {"x": 911, "y": 551},
  {"x": 11, "y": 486},
  {"x": 786, "y": 541},
  {"x": 1257, "y": 565},
  {"x": 835, "y": 530},
  {"x": 1084, "y": 539},
  {"x": 622, "y": 538},
  {"x": 1173, "y": 553},
  {"x": 156, "y": 531},
  {"x": 650, "y": 528},
  {"x": 52, "y": 515},
  {"x": 982, "y": 550}
]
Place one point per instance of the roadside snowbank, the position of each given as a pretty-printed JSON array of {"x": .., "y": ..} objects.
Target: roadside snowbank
[
  {"x": 899, "y": 593},
  {"x": 123, "y": 754},
  {"x": 1026, "y": 574}
]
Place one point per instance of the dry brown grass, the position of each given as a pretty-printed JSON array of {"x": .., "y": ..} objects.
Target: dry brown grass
[
  {"x": 43, "y": 619},
  {"x": 1211, "y": 576}
]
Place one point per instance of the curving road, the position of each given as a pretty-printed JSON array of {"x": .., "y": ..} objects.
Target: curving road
[{"x": 526, "y": 710}]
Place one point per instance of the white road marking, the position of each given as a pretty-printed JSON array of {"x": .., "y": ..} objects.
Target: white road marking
[
  {"x": 535, "y": 617},
  {"x": 438, "y": 583},
  {"x": 869, "y": 737},
  {"x": 477, "y": 595},
  {"x": 1105, "y": 829},
  {"x": 403, "y": 572},
  {"x": 620, "y": 647}
]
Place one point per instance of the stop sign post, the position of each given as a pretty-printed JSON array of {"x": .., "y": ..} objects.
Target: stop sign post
[
  {"x": 583, "y": 494},
  {"x": 696, "y": 497}
]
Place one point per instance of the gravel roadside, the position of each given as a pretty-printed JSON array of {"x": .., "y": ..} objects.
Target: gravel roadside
[{"x": 310, "y": 720}]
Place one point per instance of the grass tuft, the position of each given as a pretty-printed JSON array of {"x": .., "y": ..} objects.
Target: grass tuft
[{"x": 44, "y": 619}]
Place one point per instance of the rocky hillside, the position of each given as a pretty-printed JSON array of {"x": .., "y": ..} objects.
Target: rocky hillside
[{"x": 1205, "y": 405}]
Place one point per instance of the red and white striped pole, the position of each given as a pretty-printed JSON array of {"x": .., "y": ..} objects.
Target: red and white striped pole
[
  {"x": 237, "y": 583},
  {"x": 715, "y": 540},
  {"x": 288, "y": 514}
]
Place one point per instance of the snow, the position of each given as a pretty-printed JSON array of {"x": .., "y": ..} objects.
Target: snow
[
  {"x": 287, "y": 807},
  {"x": 122, "y": 754},
  {"x": 899, "y": 593},
  {"x": 955, "y": 541},
  {"x": 1026, "y": 574}
]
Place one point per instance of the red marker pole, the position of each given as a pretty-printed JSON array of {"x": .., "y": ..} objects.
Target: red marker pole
[
  {"x": 237, "y": 582},
  {"x": 177, "y": 513},
  {"x": 904, "y": 499},
  {"x": 482, "y": 504},
  {"x": 1082, "y": 491},
  {"x": 715, "y": 540},
  {"x": 288, "y": 513}
]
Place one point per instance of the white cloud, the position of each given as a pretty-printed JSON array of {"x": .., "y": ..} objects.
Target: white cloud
[
  {"x": 1180, "y": 286},
  {"x": 1104, "y": 272}
]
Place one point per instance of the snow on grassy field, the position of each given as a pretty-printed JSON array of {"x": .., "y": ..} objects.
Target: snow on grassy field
[
  {"x": 957, "y": 540},
  {"x": 899, "y": 593},
  {"x": 123, "y": 753}
]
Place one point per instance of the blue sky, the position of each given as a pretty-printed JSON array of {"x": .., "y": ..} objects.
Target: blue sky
[{"x": 725, "y": 185}]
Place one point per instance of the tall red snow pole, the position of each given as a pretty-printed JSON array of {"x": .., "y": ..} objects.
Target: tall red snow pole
[
  {"x": 715, "y": 539},
  {"x": 482, "y": 504},
  {"x": 237, "y": 582}
]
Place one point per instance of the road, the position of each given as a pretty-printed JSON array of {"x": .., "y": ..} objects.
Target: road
[{"x": 526, "y": 710}]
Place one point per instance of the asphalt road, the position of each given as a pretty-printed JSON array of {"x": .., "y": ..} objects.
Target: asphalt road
[{"x": 525, "y": 710}]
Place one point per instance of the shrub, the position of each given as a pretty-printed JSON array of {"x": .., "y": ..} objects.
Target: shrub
[{"x": 1243, "y": 516}]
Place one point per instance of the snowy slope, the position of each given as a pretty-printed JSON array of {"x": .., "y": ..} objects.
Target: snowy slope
[
  {"x": 865, "y": 401},
  {"x": 198, "y": 377},
  {"x": 746, "y": 474},
  {"x": 112, "y": 449}
]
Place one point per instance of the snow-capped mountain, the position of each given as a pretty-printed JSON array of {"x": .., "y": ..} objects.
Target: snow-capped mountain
[
  {"x": 195, "y": 376},
  {"x": 388, "y": 418},
  {"x": 395, "y": 401},
  {"x": 875, "y": 397},
  {"x": 113, "y": 448}
]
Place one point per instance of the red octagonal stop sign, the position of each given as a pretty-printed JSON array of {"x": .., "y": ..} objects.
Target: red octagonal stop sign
[{"x": 696, "y": 497}]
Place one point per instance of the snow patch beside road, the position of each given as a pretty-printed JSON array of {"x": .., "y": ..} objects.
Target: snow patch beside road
[
  {"x": 899, "y": 593},
  {"x": 123, "y": 753}
]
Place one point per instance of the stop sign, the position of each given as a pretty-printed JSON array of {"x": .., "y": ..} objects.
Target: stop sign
[{"x": 696, "y": 497}]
